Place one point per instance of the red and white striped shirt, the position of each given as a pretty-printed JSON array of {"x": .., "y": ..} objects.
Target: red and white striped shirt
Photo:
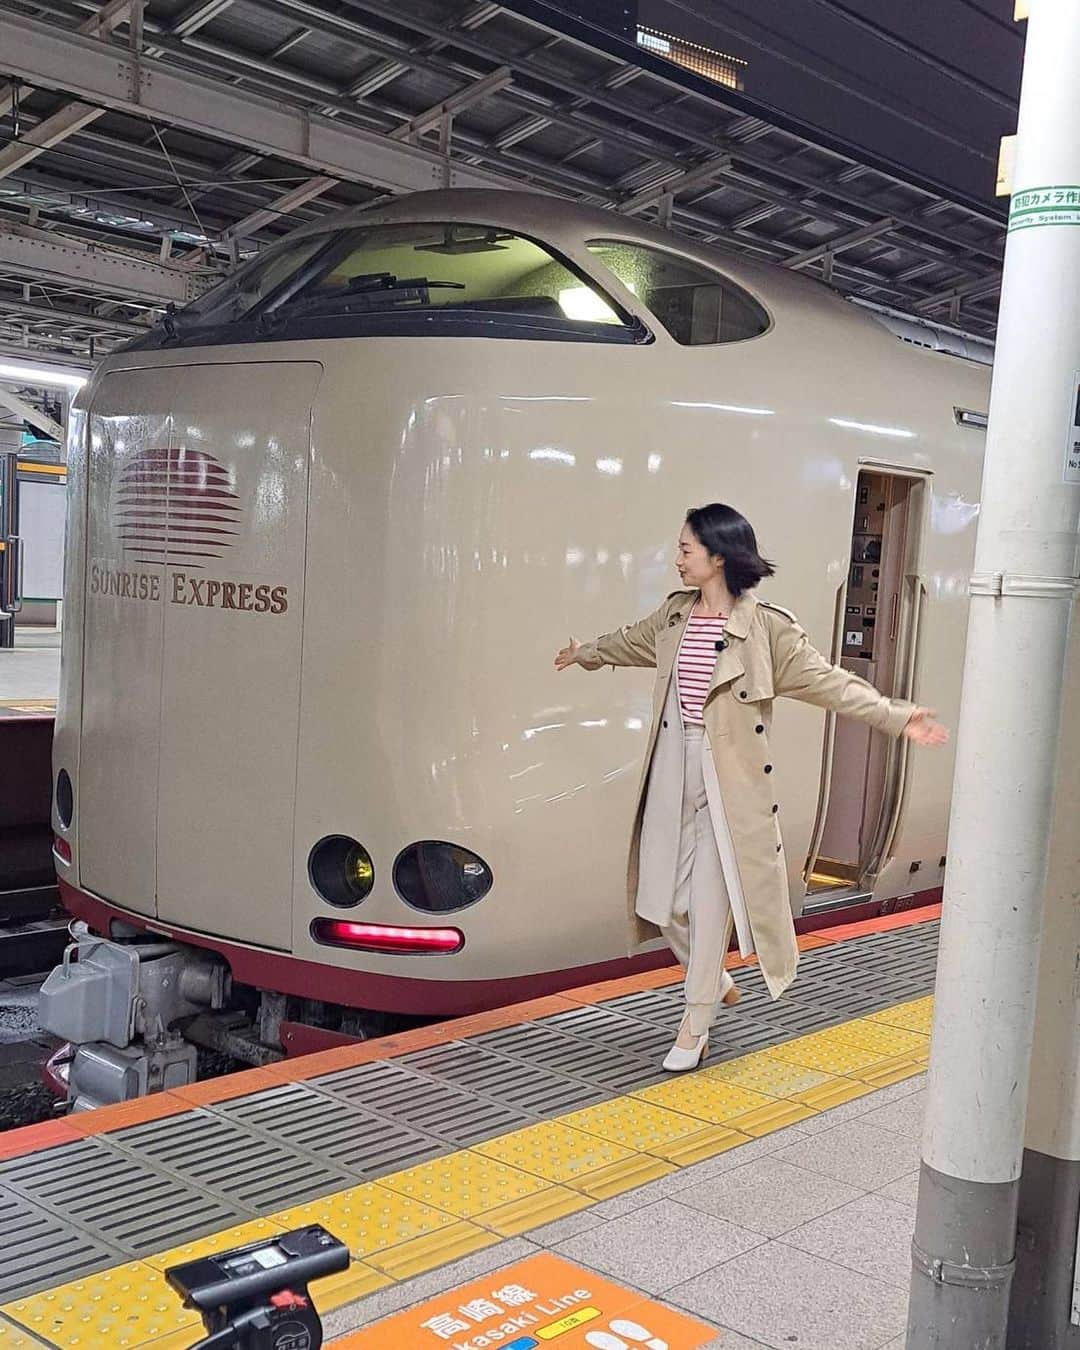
[{"x": 697, "y": 662}]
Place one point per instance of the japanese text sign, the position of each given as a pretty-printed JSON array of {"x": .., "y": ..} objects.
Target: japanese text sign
[{"x": 532, "y": 1305}]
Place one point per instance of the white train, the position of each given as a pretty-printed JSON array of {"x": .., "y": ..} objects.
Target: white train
[{"x": 327, "y": 527}]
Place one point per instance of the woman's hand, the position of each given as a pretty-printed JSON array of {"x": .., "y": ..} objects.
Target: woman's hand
[
  {"x": 923, "y": 730},
  {"x": 568, "y": 656}
]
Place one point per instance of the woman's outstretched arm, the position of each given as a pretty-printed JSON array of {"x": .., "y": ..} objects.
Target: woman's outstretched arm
[
  {"x": 801, "y": 672},
  {"x": 634, "y": 645}
]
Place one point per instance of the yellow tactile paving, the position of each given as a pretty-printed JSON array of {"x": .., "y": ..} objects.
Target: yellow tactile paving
[
  {"x": 345, "y": 1287},
  {"x": 393, "y": 1233},
  {"x": 829, "y": 1054},
  {"x": 654, "y": 1129},
  {"x": 14, "y": 1338},
  {"x": 775, "y": 1116},
  {"x": 554, "y": 1151},
  {"x": 547, "y": 1205},
  {"x": 636, "y": 1124},
  {"x": 833, "y": 1092},
  {"x": 124, "y": 1307},
  {"x": 586, "y": 1162},
  {"x": 763, "y": 1072},
  {"x": 465, "y": 1184},
  {"x": 624, "y": 1176},
  {"x": 706, "y": 1143},
  {"x": 886, "y": 1040},
  {"x": 887, "y": 1071},
  {"x": 216, "y": 1242},
  {"x": 436, "y": 1249},
  {"x": 706, "y": 1098},
  {"x": 915, "y": 1016},
  {"x": 368, "y": 1218}
]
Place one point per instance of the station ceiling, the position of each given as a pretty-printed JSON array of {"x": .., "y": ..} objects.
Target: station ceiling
[{"x": 144, "y": 148}]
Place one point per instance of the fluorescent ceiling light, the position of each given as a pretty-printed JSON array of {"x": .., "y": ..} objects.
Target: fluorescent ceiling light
[{"x": 47, "y": 375}]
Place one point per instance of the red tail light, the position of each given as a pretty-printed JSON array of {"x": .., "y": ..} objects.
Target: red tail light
[
  {"x": 381, "y": 937},
  {"x": 62, "y": 849}
]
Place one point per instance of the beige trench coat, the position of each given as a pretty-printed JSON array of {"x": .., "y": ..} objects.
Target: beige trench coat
[{"x": 767, "y": 655}]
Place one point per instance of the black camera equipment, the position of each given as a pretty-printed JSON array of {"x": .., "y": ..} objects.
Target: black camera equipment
[{"x": 256, "y": 1297}]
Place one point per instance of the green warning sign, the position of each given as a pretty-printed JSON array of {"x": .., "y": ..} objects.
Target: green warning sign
[{"x": 1045, "y": 206}]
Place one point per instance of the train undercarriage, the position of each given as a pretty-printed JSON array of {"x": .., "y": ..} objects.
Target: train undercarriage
[{"x": 136, "y": 1013}]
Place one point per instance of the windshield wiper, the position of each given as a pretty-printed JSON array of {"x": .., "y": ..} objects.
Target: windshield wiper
[{"x": 363, "y": 295}]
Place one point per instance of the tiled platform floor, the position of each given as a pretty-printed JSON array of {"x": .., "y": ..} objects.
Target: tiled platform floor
[
  {"x": 437, "y": 1144},
  {"x": 798, "y": 1240}
]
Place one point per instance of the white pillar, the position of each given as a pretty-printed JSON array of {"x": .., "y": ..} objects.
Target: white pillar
[
  {"x": 1025, "y": 565},
  {"x": 1044, "y": 1311}
]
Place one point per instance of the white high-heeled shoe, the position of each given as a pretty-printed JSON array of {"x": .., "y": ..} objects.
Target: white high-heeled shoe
[{"x": 679, "y": 1060}]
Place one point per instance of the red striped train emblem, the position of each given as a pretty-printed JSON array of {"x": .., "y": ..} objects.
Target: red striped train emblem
[{"x": 176, "y": 506}]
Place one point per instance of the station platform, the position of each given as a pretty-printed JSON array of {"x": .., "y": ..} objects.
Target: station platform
[
  {"x": 531, "y": 1169},
  {"x": 30, "y": 671}
]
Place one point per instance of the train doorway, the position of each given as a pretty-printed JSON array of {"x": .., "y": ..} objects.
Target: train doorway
[{"x": 876, "y": 637}]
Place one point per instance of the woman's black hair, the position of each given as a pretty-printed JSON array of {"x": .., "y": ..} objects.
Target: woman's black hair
[{"x": 726, "y": 534}]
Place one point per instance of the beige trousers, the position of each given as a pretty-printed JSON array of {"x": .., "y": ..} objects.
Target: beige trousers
[{"x": 701, "y": 918}]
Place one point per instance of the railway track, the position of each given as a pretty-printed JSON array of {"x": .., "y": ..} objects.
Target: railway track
[{"x": 29, "y": 946}]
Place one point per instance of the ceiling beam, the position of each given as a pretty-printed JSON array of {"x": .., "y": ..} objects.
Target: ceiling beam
[
  {"x": 474, "y": 92},
  {"x": 968, "y": 290},
  {"x": 20, "y": 408},
  {"x": 98, "y": 25},
  {"x": 69, "y": 318},
  {"x": 66, "y": 121},
  {"x": 59, "y": 260},
  {"x": 72, "y": 197},
  {"x": 198, "y": 15},
  {"x": 282, "y": 206},
  {"x": 674, "y": 183},
  {"x": 840, "y": 242},
  {"x": 381, "y": 74},
  {"x": 90, "y": 70}
]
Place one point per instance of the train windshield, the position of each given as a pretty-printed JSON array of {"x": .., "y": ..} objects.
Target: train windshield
[
  {"x": 406, "y": 278},
  {"x": 696, "y": 305}
]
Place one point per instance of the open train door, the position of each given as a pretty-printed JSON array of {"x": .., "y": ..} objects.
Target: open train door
[
  {"x": 231, "y": 646},
  {"x": 879, "y": 609}
]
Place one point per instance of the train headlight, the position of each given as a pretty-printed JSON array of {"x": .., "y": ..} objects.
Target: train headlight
[
  {"x": 65, "y": 798},
  {"x": 438, "y": 878},
  {"x": 341, "y": 870}
]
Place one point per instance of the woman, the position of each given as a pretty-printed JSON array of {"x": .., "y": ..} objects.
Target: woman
[{"x": 706, "y": 852}]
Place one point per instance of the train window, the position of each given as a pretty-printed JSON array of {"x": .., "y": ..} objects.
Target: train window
[
  {"x": 438, "y": 277},
  {"x": 697, "y": 306}
]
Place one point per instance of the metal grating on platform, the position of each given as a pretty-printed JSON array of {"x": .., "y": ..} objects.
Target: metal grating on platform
[
  {"x": 790, "y": 1015},
  {"x": 515, "y": 1082},
  {"x": 41, "y": 1250},
  {"x": 843, "y": 1000},
  {"x": 76, "y": 1208},
  {"x": 251, "y": 1171},
  {"x": 409, "y": 1099},
  {"x": 322, "y": 1127},
  {"x": 125, "y": 1204},
  {"x": 603, "y": 1026},
  {"x": 662, "y": 1007},
  {"x": 834, "y": 984},
  {"x": 537, "y": 1043}
]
